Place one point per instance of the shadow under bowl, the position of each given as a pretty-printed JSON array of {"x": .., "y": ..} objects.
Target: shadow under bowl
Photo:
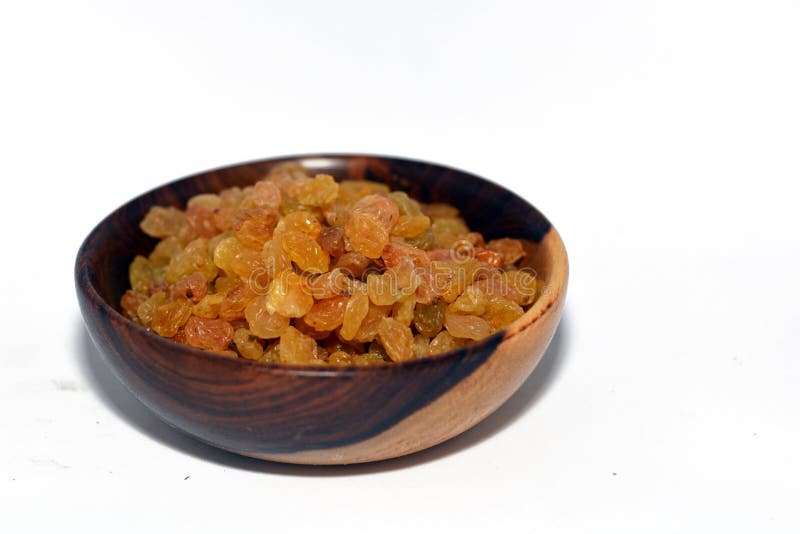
[{"x": 323, "y": 415}]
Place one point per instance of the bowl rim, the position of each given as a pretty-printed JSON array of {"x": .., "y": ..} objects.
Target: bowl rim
[{"x": 86, "y": 288}]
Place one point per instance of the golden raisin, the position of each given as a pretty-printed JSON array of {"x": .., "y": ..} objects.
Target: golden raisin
[
  {"x": 411, "y": 225},
  {"x": 248, "y": 344},
  {"x": 471, "y": 301},
  {"x": 208, "y": 306},
  {"x": 300, "y": 221},
  {"x": 165, "y": 250},
  {"x": 194, "y": 287},
  {"x": 317, "y": 191},
  {"x": 201, "y": 219},
  {"x": 297, "y": 348},
  {"x": 444, "y": 342},
  {"x": 169, "y": 317},
  {"x": 234, "y": 302},
  {"x": 163, "y": 222},
  {"x": 330, "y": 284},
  {"x": 305, "y": 253},
  {"x": 266, "y": 195},
  {"x": 262, "y": 322},
  {"x": 429, "y": 318},
  {"x": 209, "y": 334},
  {"x": 380, "y": 208},
  {"x": 354, "y": 313},
  {"x": 466, "y": 326},
  {"x": 397, "y": 339},
  {"x": 366, "y": 236},
  {"x": 327, "y": 314},
  {"x": 140, "y": 274},
  {"x": 511, "y": 250},
  {"x": 501, "y": 312},
  {"x": 289, "y": 295},
  {"x": 403, "y": 309}
]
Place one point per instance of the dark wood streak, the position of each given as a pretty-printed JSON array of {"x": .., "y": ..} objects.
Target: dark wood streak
[{"x": 259, "y": 409}]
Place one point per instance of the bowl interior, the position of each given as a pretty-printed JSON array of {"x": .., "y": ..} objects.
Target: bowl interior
[{"x": 488, "y": 208}]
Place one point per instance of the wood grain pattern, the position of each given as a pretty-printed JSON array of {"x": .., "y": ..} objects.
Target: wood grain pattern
[{"x": 322, "y": 415}]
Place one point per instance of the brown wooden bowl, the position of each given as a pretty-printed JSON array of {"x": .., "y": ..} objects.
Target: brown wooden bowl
[{"x": 323, "y": 415}]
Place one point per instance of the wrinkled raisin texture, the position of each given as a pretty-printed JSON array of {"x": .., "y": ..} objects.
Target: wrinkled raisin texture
[{"x": 300, "y": 269}]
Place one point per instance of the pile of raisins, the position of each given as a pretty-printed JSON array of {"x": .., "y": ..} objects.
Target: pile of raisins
[{"x": 304, "y": 270}]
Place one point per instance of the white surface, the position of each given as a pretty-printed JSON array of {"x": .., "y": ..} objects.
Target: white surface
[{"x": 660, "y": 137}]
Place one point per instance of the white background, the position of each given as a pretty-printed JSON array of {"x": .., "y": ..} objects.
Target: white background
[{"x": 661, "y": 138}]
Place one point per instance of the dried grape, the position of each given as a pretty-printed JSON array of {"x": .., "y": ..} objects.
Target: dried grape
[
  {"x": 354, "y": 313},
  {"x": 205, "y": 200},
  {"x": 317, "y": 191},
  {"x": 194, "y": 287},
  {"x": 471, "y": 301},
  {"x": 447, "y": 231},
  {"x": 510, "y": 250},
  {"x": 429, "y": 318},
  {"x": 289, "y": 296},
  {"x": 488, "y": 257},
  {"x": 163, "y": 222},
  {"x": 444, "y": 342},
  {"x": 234, "y": 302},
  {"x": 340, "y": 358},
  {"x": 369, "y": 325},
  {"x": 395, "y": 253},
  {"x": 326, "y": 314},
  {"x": 193, "y": 258},
  {"x": 225, "y": 218},
  {"x": 165, "y": 250},
  {"x": 403, "y": 309},
  {"x": 297, "y": 348},
  {"x": 382, "y": 289},
  {"x": 147, "y": 309},
  {"x": 267, "y": 195},
  {"x": 501, "y": 312},
  {"x": 275, "y": 258},
  {"x": 208, "y": 306},
  {"x": 380, "y": 208},
  {"x": 272, "y": 353},
  {"x": 411, "y": 225},
  {"x": 262, "y": 322},
  {"x": 169, "y": 317},
  {"x": 300, "y": 221},
  {"x": 319, "y": 335},
  {"x": 130, "y": 302},
  {"x": 209, "y": 334},
  {"x": 305, "y": 253},
  {"x": 248, "y": 344},
  {"x": 366, "y": 235},
  {"x": 140, "y": 274},
  {"x": 466, "y": 326},
  {"x": 397, "y": 339},
  {"x": 406, "y": 205},
  {"x": 330, "y": 284},
  {"x": 201, "y": 219},
  {"x": 256, "y": 229}
]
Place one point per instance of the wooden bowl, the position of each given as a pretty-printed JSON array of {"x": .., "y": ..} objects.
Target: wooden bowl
[{"x": 323, "y": 415}]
